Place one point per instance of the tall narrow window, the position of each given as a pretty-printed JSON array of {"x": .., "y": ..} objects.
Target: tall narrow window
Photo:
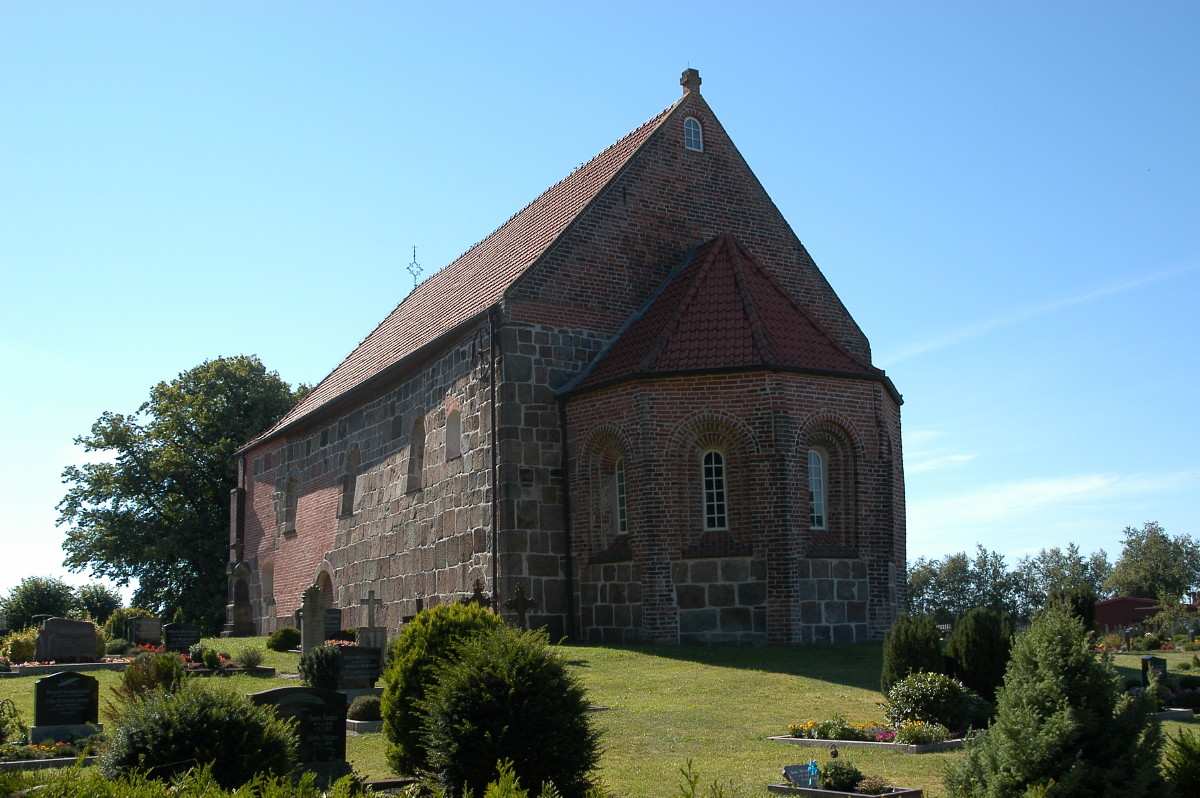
[
  {"x": 693, "y": 136},
  {"x": 816, "y": 487},
  {"x": 416, "y": 455},
  {"x": 349, "y": 492},
  {"x": 622, "y": 509},
  {"x": 715, "y": 510},
  {"x": 453, "y": 434},
  {"x": 291, "y": 500}
]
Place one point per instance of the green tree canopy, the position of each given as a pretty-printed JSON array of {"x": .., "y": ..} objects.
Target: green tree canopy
[
  {"x": 1154, "y": 564},
  {"x": 37, "y": 595},
  {"x": 158, "y": 509},
  {"x": 99, "y": 601}
]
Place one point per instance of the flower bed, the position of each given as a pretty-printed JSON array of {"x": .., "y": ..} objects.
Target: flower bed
[{"x": 904, "y": 748}]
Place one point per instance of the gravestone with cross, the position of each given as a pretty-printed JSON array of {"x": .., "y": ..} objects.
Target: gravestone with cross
[
  {"x": 520, "y": 604},
  {"x": 478, "y": 596},
  {"x": 372, "y": 635},
  {"x": 312, "y": 620},
  {"x": 320, "y": 717}
]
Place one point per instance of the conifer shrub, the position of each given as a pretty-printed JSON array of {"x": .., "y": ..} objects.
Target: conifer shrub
[
  {"x": 320, "y": 666},
  {"x": 1181, "y": 764},
  {"x": 978, "y": 648},
  {"x": 506, "y": 695},
  {"x": 413, "y": 661},
  {"x": 912, "y": 645},
  {"x": 931, "y": 698},
  {"x": 1061, "y": 717},
  {"x": 284, "y": 639},
  {"x": 117, "y": 646},
  {"x": 165, "y": 734}
]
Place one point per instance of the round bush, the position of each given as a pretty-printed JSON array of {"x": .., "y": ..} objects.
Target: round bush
[
  {"x": 149, "y": 673},
  {"x": 320, "y": 666},
  {"x": 168, "y": 733},
  {"x": 929, "y": 697},
  {"x": 506, "y": 696},
  {"x": 413, "y": 661},
  {"x": 284, "y": 639},
  {"x": 19, "y": 646},
  {"x": 117, "y": 646},
  {"x": 838, "y": 774},
  {"x": 365, "y": 707}
]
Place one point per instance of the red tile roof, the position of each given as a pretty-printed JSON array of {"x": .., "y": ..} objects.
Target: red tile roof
[
  {"x": 722, "y": 310},
  {"x": 477, "y": 279}
]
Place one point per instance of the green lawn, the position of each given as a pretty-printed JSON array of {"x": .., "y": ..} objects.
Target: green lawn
[{"x": 713, "y": 705}]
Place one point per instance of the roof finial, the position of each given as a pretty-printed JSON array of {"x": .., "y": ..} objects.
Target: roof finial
[{"x": 690, "y": 81}]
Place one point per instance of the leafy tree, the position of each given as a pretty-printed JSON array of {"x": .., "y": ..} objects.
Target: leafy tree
[
  {"x": 158, "y": 511},
  {"x": 1079, "y": 600},
  {"x": 99, "y": 601},
  {"x": 1062, "y": 719},
  {"x": 1056, "y": 569},
  {"x": 38, "y": 595},
  {"x": 948, "y": 587},
  {"x": 1153, "y": 564}
]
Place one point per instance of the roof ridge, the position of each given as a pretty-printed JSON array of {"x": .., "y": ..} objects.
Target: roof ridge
[
  {"x": 749, "y": 306},
  {"x": 682, "y": 306},
  {"x": 480, "y": 276}
]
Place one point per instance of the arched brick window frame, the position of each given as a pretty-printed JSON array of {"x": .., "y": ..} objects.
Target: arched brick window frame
[
  {"x": 688, "y": 444},
  {"x": 833, "y": 439},
  {"x": 605, "y": 457}
]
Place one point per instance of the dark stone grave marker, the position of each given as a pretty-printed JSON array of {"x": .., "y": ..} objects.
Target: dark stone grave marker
[
  {"x": 1156, "y": 664},
  {"x": 800, "y": 776},
  {"x": 180, "y": 636},
  {"x": 64, "y": 640},
  {"x": 64, "y": 704},
  {"x": 143, "y": 631},
  {"x": 359, "y": 667},
  {"x": 320, "y": 720},
  {"x": 333, "y": 623}
]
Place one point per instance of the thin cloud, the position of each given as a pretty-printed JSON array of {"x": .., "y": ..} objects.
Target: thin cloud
[
  {"x": 976, "y": 330},
  {"x": 920, "y": 465},
  {"x": 1012, "y": 504}
]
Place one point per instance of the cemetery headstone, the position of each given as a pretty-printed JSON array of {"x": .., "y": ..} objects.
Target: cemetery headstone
[
  {"x": 520, "y": 604},
  {"x": 477, "y": 596},
  {"x": 312, "y": 620},
  {"x": 180, "y": 636},
  {"x": 359, "y": 667},
  {"x": 320, "y": 720},
  {"x": 143, "y": 631},
  {"x": 333, "y": 622},
  {"x": 65, "y": 640},
  {"x": 65, "y": 706},
  {"x": 36, "y": 621},
  {"x": 1156, "y": 664},
  {"x": 370, "y": 635},
  {"x": 802, "y": 775}
]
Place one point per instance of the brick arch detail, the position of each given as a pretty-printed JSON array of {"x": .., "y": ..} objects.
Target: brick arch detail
[
  {"x": 844, "y": 445},
  {"x": 742, "y": 449},
  {"x": 598, "y": 455}
]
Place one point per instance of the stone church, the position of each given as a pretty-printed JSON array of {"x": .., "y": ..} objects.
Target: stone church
[{"x": 638, "y": 403}]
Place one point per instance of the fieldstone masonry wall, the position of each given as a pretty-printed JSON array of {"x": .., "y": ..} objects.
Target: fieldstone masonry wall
[{"x": 833, "y": 601}]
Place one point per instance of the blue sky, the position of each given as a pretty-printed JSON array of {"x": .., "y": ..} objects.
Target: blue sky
[{"x": 1005, "y": 195}]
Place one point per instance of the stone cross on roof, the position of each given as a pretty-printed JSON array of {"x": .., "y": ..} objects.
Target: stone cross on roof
[
  {"x": 520, "y": 604},
  {"x": 370, "y": 602}
]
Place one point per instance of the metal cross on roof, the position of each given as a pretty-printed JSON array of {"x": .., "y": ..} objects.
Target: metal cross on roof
[{"x": 414, "y": 268}]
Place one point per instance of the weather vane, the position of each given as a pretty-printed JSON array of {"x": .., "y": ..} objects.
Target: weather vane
[{"x": 414, "y": 268}]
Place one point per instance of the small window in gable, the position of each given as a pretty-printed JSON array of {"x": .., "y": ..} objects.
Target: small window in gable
[
  {"x": 453, "y": 435},
  {"x": 715, "y": 507},
  {"x": 816, "y": 487},
  {"x": 621, "y": 506},
  {"x": 693, "y": 135}
]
